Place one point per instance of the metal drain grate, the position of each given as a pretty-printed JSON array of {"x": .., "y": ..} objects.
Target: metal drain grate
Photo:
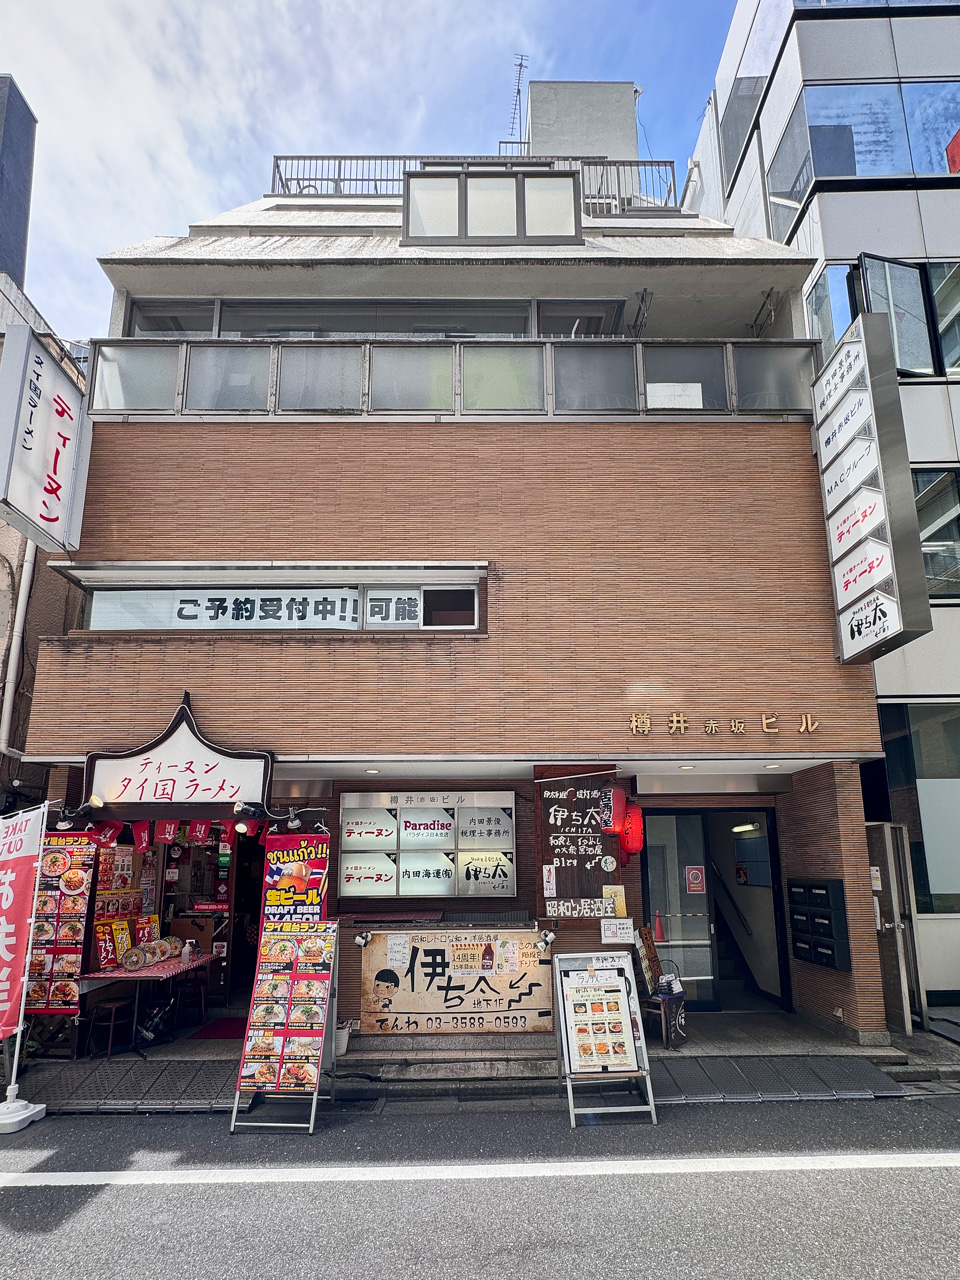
[
  {"x": 730, "y": 1080},
  {"x": 767, "y": 1080},
  {"x": 692, "y": 1081}
]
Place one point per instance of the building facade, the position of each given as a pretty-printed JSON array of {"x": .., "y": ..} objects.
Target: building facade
[
  {"x": 33, "y": 600},
  {"x": 835, "y": 128},
  {"x": 461, "y": 487}
]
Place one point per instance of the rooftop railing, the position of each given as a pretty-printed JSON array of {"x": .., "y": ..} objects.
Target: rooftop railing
[
  {"x": 441, "y": 377},
  {"x": 610, "y": 187}
]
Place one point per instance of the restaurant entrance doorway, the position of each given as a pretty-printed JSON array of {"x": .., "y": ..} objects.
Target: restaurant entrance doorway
[{"x": 713, "y": 898}]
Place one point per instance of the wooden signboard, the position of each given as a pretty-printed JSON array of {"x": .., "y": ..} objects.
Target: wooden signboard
[
  {"x": 455, "y": 980},
  {"x": 577, "y": 859}
]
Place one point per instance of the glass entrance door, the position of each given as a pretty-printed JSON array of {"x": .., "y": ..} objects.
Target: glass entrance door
[{"x": 678, "y": 889}]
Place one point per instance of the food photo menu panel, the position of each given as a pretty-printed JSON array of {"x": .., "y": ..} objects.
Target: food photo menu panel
[
  {"x": 291, "y": 996},
  {"x": 63, "y": 899}
]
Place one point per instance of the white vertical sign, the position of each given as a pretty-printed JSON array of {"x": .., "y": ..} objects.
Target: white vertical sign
[{"x": 44, "y": 443}]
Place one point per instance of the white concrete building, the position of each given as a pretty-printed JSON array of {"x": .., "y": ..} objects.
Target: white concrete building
[{"x": 834, "y": 127}]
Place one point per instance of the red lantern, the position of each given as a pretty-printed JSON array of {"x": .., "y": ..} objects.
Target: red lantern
[
  {"x": 631, "y": 837},
  {"x": 613, "y": 807}
]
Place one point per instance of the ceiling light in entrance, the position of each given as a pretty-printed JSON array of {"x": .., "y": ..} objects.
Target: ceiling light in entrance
[
  {"x": 771, "y": 766},
  {"x": 747, "y": 826},
  {"x": 371, "y": 771},
  {"x": 688, "y": 766}
]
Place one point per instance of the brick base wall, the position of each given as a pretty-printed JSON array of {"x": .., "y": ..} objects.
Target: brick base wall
[{"x": 822, "y": 834}]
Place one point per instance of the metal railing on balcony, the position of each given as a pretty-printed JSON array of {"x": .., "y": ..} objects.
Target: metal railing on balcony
[
  {"x": 441, "y": 377},
  {"x": 610, "y": 187}
]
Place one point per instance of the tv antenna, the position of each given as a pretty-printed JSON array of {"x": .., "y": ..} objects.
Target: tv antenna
[{"x": 516, "y": 115}]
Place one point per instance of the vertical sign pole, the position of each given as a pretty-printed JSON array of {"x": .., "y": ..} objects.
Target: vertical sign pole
[{"x": 16, "y": 1114}]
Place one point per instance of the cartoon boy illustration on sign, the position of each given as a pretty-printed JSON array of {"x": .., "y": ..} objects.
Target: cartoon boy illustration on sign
[{"x": 385, "y": 986}]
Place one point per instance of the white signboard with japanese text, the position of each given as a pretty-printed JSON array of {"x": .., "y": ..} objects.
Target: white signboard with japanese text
[
  {"x": 44, "y": 443},
  {"x": 428, "y": 828},
  {"x": 852, "y": 416},
  {"x": 853, "y": 468},
  {"x": 223, "y": 609},
  {"x": 180, "y": 771},
  {"x": 486, "y": 874},
  {"x": 868, "y": 565},
  {"x": 428, "y": 873},
  {"x": 859, "y": 515},
  {"x": 367, "y": 875},
  {"x": 367, "y": 829},
  {"x": 878, "y": 572},
  {"x": 868, "y": 622},
  {"x": 847, "y": 368},
  {"x": 429, "y": 844}
]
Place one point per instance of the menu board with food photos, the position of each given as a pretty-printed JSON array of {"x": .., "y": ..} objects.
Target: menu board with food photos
[
  {"x": 63, "y": 899},
  {"x": 292, "y": 1001},
  {"x": 598, "y": 1035}
]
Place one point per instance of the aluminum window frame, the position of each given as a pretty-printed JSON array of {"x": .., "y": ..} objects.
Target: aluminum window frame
[{"x": 518, "y": 174}]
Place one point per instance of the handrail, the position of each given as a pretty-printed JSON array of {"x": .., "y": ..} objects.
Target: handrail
[
  {"x": 718, "y": 879},
  {"x": 610, "y": 187}
]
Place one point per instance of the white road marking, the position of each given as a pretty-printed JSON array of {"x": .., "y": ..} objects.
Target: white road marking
[{"x": 846, "y": 1161}]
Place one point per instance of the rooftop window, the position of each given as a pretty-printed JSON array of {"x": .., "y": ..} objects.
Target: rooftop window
[{"x": 492, "y": 206}]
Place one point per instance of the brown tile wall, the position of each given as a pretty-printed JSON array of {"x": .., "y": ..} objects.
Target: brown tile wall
[
  {"x": 634, "y": 567},
  {"x": 822, "y": 834}
]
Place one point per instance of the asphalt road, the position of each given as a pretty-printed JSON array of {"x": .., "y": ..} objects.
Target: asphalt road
[{"x": 713, "y": 1191}]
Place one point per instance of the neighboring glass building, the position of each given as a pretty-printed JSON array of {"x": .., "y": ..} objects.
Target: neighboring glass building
[{"x": 835, "y": 128}]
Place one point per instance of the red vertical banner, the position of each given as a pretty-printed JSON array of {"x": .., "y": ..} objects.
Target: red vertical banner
[
  {"x": 167, "y": 829},
  {"x": 104, "y": 833},
  {"x": 288, "y": 1012},
  {"x": 141, "y": 836},
  {"x": 20, "y": 841}
]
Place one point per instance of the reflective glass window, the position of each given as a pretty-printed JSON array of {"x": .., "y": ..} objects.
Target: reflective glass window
[
  {"x": 933, "y": 125},
  {"x": 581, "y": 319},
  {"x": 922, "y": 745},
  {"x": 548, "y": 207},
  {"x": 414, "y": 377},
  {"x": 491, "y": 207},
  {"x": 857, "y": 130},
  {"x": 171, "y": 319},
  {"x": 830, "y": 306},
  {"x": 790, "y": 173},
  {"x": 769, "y": 24},
  {"x": 328, "y": 318},
  {"x": 945, "y": 287},
  {"x": 685, "y": 378},
  {"x": 136, "y": 377},
  {"x": 897, "y": 289},
  {"x": 774, "y": 379},
  {"x": 228, "y": 377},
  {"x": 938, "y": 511},
  {"x": 599, "y": 378},
  {"x": 322, "y": 378},
  {"x": 502, "y": 378},
  {"x": 434, "y": 206}
]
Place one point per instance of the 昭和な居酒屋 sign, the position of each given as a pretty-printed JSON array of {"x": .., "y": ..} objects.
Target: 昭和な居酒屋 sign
[{"x": 577, "y": 859}]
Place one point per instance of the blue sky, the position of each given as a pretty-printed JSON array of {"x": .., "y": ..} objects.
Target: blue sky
[{"x": 154, "y": 115}]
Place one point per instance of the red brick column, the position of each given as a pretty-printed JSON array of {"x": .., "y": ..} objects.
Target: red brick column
[{"x": 822, "y": 835}]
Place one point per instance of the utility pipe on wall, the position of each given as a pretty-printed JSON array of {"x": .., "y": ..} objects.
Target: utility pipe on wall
[{"x": 16, "y": 648}]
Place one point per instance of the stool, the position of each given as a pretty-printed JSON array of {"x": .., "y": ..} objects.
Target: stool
[
  {"x": 191, "y": 993},
  {"x": 107, "y": 1014}
]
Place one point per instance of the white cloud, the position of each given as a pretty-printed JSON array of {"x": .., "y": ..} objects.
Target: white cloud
[
  {"x": 153, "y": 115},
  {"x": 157, "y": 113}
]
